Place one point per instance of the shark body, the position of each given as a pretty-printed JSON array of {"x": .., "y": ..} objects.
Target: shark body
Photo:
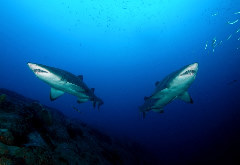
[
  {"x": 173, "y": 86},
  {"x": 62, "y": 81}
]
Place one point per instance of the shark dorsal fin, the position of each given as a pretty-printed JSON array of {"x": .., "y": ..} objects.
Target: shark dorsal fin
[
  {"x": 80, "y": 77},
  {"x": 186, "y": 97},
  {"x": 55, "y": 93},
  {"x": 92, "y": 89},
  {"x": 156, "y": 83}
]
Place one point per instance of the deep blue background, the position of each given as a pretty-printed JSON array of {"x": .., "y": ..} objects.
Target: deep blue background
[{"x": 122, "y": 47}]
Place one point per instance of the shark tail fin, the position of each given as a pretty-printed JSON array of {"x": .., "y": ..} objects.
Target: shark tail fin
[
  {"x": 97, "y": 102},
  {"x": 100, "y": 102}
]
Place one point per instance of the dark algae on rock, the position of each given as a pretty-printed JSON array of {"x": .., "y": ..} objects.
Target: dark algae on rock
[{"x": 33, "y": 134}]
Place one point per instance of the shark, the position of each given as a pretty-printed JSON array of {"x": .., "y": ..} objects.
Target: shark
[
  {"x": 62, "y": 81},
  {"x": 173, "y": 86}
]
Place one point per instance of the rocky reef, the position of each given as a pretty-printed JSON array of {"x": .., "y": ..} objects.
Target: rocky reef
[{"x": 33, "y": 134}]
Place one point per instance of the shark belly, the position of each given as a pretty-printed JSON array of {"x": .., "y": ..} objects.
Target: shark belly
[
  {"x": 69, "y": 88},
  {"x": 76, "y": 91},
  {"x": 166, "y": 96}
]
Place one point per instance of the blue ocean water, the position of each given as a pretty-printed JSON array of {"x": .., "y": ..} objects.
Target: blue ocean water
[{"x": 122, "y": 47}]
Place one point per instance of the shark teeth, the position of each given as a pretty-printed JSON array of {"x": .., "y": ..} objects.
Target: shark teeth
[
  {"x": 188, "y": 72},
  {"x": 39, "y": 71}
]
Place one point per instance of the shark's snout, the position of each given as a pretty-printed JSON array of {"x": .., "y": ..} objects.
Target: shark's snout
[
  {"x": 190, "y": 70},
  {"x": 194, "y": 66},
  {"x": 32, "y": 66},
  {"x": 37, "y": 68}
]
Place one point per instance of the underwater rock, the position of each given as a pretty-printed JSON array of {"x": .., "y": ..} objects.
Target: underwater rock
[
  {"x": 31, "y": 133},
  {"x": 6, "y": 137},
  {"x": 35, "y": 140},
  {"x": 2, "y": 98}
]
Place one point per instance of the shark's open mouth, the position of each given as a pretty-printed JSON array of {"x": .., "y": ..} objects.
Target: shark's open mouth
[
  {"x": 39, "y": 71},
  {"x": 188, "y": 72}
]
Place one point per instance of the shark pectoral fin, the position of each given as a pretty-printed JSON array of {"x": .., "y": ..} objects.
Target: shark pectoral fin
[
  {"x": 55, "y": 93},
  {"x": 186, "y": 97}
]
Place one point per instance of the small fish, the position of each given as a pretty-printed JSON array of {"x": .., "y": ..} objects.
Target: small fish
[
  {"x": 229, "y": 36},
  {"x": 237, "y": 12},
  {"x": 214, "y": 41},
  {"x": 238, "y": 38},
  {"x": 220, "y": 43},
  {"x": 206, "y": 45},
  {"x": 76, "y": 109},
  {"x": 214, "y": 44},
  {"x": 238, "y": 30},
  {"x": 215, "y": 14},
  {"x": 231, "y": 23}
]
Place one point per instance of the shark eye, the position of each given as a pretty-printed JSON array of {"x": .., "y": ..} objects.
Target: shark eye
[{"x": 39, "y": 71}]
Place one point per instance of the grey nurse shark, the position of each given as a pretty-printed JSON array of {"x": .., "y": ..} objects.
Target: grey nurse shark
[
  {"x": 62, "y": 81},
  {"x": 175, "y": 85}
]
